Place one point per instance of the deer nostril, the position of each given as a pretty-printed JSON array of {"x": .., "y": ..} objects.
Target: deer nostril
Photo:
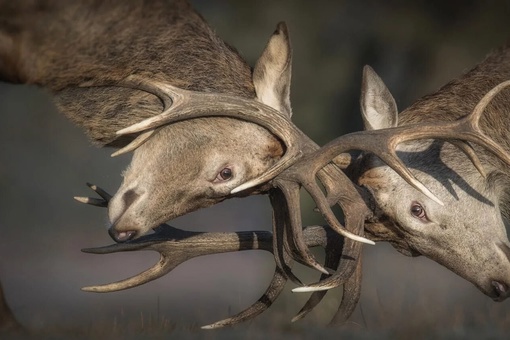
[
  {"x": 121, "y": 236},
  {"x": 501, "y": 290}
]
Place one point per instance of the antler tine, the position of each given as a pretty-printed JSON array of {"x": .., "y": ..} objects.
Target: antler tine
[
  {"x": 174, "y": 246},
  {"x": 384, "y": 142},
  {"x": 102, "y": 202},
  {"x": 180, "y": 104},
  {"x": 345, "y": 270},
  {"x": 97, "y": 202},
  {"x": 391, "y": 159},
  {"x": 350, "y": 297},
  {"x": 101, "y": 192},
  {"x": 137, "y": 142},
  {"x": 333, "y": 248},
  {"x": 482, "y": 104},
  {"x": 163, "y": 267},
  {"x": 291, "y": 192},
  {"x": 314, "y": 236},
  {"x": 177, "y": 246},
  {"x": 350, "y": 201},
  {"x": 471, "y": 154},
  {"x": 263, "y": 303},
  {"x": 288, "y": 182},
  {"x": 281, "y": 247},
  {"x": 300, "y": 174}
]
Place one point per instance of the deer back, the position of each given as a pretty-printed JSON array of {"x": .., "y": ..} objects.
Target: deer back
[
  {"x": 61, "y": 46},
  {"x": 86, "y": 52}
]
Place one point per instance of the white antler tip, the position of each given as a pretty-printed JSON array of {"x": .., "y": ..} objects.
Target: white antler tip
[
  {"x": 306, "y": 289},
  {"x": 208, "y": 327},
  {"x": 424, "y": 190},
  {"x": 117, "y": 153},
  {"x": 89, "y": 289},
  {"x": 242, "y": 187},
  {"x": 432, "y": 196},
  {"x": 361, "y": 239}
]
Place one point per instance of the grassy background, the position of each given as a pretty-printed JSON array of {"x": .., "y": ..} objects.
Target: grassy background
[{"x": 44, "y": 161}]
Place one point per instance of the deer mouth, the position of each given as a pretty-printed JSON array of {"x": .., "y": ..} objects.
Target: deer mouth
[
  {"x": 500, "y": 291},
  {"x": 121, "y": 236}
]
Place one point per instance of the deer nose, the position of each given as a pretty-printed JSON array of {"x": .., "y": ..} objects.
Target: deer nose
[
  {"x": 122, "y": 228},
  {"x": 121, "y": 236},
  {"x": 501, "y": 291}
]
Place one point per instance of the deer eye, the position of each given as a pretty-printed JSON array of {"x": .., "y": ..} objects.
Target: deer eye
[
  {"x": 224, "y": 175},
  {"x": 418, "y": 211}
]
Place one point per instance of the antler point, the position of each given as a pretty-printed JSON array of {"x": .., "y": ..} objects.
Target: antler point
[
  {"x": 81, "y": 199},
  {"x": 307, "y": 289},
  {"x": 211, "y": 326}
]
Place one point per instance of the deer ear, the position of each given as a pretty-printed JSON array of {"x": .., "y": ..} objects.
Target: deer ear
[
  {"x": 272, "y": 73},
  {"x": 378, "y": 107}
]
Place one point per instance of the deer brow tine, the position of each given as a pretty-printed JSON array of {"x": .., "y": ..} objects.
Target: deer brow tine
[
  {"x": 137, "y": 142},
  {"x": 392, "y": 160},
  {"x": 190, "y": 104}
]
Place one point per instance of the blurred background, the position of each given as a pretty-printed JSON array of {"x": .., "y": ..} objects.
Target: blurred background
[{"x": 416, "y": 47}]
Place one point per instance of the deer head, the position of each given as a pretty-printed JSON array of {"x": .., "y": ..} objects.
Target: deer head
[
  {"x": 232, "y": 110},
  {"x": 291, "y": 241},
  {"x": 466, "y": 233},
  {"x": 197, "y": 163}
]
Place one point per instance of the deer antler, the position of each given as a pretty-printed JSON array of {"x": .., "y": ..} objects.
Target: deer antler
[
  {"x": 177, "y": 246},
  {"x": 290, "y": 240},
  {"x": 182, "y": 104},
  {"x": 382, "y": 143}
]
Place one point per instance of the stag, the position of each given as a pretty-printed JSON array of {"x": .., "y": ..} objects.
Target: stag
[
  {"x": 467, "y": 232},
  {"x": 122, "y": 84},
  {"x": 453, "y": 145},
  {"x": 109, "y": 78}
]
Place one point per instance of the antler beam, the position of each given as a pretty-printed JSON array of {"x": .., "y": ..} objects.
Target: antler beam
[{"x": 176, "y": 246}]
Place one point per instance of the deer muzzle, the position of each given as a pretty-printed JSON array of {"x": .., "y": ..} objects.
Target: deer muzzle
[
  {"x": 123, "y": 227},
  {"x": 500, "y": 290}
]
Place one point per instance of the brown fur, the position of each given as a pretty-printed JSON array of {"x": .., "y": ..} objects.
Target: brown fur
[
  {"x": 458, "y": 98},
  {"x": 467, "y": 234},
  {"x": 63, "y": 45},
  {"x": 59, "y": 45}
]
